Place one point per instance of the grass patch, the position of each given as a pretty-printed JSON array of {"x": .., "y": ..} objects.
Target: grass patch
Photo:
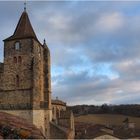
[{"x": 112, "y": 119}]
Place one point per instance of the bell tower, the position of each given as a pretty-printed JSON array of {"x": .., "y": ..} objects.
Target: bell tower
[
  {"x": 18, "y": 56},
  {"x": 27, "y": 75}
]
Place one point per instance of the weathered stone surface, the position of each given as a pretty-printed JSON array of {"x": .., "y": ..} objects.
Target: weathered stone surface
[
  {"x": 59, "y": 132},
  {"x": 25, "y": 83},
  {"x": 25, "y": 88},
  {"x": 57, "y": 107}
]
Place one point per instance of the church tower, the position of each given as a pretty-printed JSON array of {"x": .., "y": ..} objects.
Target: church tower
[{"x": 26, "y": 78}]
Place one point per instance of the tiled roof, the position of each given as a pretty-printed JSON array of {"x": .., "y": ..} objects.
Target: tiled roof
[
  {"x": 13, "y": 127},
  {"x": 24, "y": 29},
  {"x": 58, "y": 102}
]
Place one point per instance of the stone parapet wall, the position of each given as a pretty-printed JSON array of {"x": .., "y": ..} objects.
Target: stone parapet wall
[
  {"x": 25, "y": 114},
  {"x": 59, "y": 132},
  {"x": 20, "y": 99},
  {"x": 66, "y": 119},
  {"x": 15, "y": 106}
]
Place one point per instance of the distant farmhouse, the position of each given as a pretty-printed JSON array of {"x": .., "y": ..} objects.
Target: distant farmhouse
[{"x": 25, "y": 83}]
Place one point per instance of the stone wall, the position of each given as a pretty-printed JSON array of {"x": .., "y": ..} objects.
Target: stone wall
[
  {"x": 63, "y": 127},
  {"x": 59, "y": 132},
  {"x": 39, "y": 120},
  {"x": 24, "y": 99},
  {"x": 26, "y": 114},
  {"x": 38, "y": 83},
  {"x": 18, "y": 63},
  {"x": 29, "y": 64},
  {"x": 41, "y": 108},
  {"x": 17, "y": 99},
  {"x": 47, "y": 75},
  {"x": 56, "y": 109},
  {"x": 66, "y": 119}
]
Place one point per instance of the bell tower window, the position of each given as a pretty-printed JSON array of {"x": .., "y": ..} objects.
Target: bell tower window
[
  {"x": 17, "y": 46},
  {"x": 20, "y": 59},
  {"x": 15, "y": 60},
  {"x": 17, "y": 80}
]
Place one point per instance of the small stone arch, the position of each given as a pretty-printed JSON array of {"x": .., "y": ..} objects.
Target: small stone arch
[
  {"x": 17, "y": 80},
  {"x": 20, "y": 59},
  {"x": 17, "y": 45},
  {"x": 15, "y": 59}
]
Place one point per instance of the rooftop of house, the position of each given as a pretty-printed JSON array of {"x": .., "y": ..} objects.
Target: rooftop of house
[
  {"x": 58, "y": 102},
  {"x": 97, "y": 131},
  {"x": 13, "y": 127}
]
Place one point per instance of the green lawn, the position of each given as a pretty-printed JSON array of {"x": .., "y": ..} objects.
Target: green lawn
[{"x": 107, "y": 119}]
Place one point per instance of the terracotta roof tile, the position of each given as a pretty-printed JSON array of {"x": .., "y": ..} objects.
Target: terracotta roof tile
[
  {"x": 17, "y": 127},
  {"x": 59, "y": 102}
]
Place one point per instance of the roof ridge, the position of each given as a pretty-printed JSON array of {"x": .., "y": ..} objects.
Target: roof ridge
[{"x": 23, "y": 29}]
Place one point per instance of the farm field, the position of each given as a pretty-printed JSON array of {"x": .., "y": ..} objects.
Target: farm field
[{"x": 105, "y": 119}]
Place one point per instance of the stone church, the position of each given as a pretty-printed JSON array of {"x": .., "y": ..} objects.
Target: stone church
[{"x": 25, "y": 83}]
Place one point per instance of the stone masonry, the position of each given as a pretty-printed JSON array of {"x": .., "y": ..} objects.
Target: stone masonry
[{"x": 25, "y": 83}]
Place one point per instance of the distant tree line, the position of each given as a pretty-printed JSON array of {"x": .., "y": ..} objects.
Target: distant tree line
[{"x": 130, "y": 110}]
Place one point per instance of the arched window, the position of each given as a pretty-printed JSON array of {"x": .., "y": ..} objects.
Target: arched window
[
  {"x": 17, "y": 46},
  {"x": 19, "y": 59},
  {"x": 39, "y": 50},
  {"x": 17, "y": 80},
  {"x": 15, "y": 60}
]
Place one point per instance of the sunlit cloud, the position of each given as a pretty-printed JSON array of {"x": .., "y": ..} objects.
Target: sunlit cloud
[{"x": 94, "y": 47}]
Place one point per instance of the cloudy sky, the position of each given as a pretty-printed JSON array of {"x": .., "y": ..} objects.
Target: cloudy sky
[{"x": 95, "y": 47}]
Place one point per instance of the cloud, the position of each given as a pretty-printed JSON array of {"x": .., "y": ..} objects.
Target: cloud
[
  {"x": 109, "y": 22},
  {"x": 94, "y": 47}
]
